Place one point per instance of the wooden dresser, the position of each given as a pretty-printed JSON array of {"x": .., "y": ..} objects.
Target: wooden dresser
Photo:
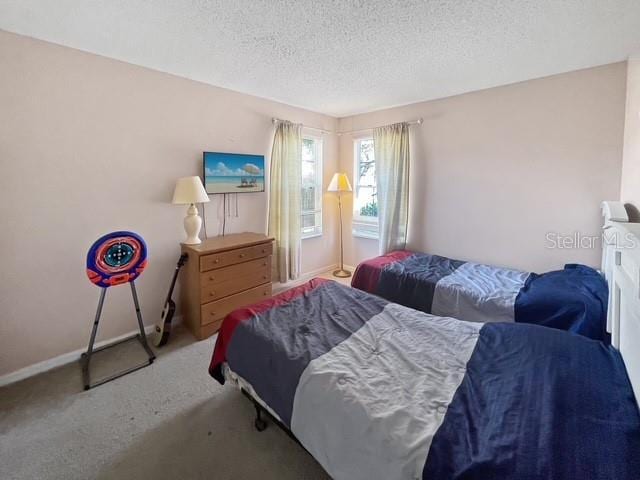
[{"x": 221, "y": 275}]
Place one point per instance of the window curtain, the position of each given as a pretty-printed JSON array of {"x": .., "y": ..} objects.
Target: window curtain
[
  {"x": 284, "y": 200},
  {"x": 391, "y": 147}
]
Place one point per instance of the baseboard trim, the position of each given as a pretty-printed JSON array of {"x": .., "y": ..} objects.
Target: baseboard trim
[
  {"x": 305, "y": 277},
  {"x": 66, "y": 358}
]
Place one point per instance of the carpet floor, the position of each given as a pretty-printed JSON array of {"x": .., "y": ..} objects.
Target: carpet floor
[{"x": 167, "y": 421}]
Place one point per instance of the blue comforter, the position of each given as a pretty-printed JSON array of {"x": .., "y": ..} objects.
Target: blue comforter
[
  {"x": 376, "y": 390},
  {"x": 572, "y": 299}
]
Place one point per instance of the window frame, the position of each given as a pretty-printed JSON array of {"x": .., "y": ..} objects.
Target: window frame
[
  {"x": 362, "y": 226},
  {"x": 319, "y": 174}
]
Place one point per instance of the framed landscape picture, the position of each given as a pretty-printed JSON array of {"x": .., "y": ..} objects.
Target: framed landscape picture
[{"x": 233, "y": 172}]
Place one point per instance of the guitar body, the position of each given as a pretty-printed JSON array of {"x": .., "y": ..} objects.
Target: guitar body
[{"x": 163, "y": 329}]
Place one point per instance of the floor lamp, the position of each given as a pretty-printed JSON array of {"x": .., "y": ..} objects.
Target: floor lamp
[{"x": 339, "y": 184}]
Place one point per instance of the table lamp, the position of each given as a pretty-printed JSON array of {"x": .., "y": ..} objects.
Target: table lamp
[
  {"x": 339, "y": 184},
  {"x": 189, "y": 191}
]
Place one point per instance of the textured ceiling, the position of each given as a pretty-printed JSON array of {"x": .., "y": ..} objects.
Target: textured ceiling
[{"x": 341, "y": 57}]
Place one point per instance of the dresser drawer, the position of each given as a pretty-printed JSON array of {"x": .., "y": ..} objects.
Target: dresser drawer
[
  {"x": 231, "y": 257},
  {"x": 236, "y": 283},
  {"x": 224, "y": 274},
  {"x": 218, "y": 309}
]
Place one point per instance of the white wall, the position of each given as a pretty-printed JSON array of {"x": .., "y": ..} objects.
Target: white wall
[
  {"x": 630, "y": 189},
  {"x": 494, "y": 171},
  {"x": 89, "y": 145}
]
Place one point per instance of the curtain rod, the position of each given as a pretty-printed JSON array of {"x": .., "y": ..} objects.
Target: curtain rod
[
  {"x": 275, "y": 120},
  {"x": 412, "y": 122}
]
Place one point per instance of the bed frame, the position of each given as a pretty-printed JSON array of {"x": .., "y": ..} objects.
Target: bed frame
[{"x": 621, "y": 267}]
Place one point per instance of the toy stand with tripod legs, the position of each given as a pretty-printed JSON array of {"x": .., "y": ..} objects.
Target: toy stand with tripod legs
[{"x": 115, "y": 259}]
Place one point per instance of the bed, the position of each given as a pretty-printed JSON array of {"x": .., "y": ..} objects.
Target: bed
[
  {"x": 573, "y": 299},
  {"x": 377, "y": 390}
]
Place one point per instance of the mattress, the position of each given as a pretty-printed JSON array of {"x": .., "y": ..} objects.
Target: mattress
[
  {"x": 573, "y": 299},
  {"x": 373, "y": 389}
]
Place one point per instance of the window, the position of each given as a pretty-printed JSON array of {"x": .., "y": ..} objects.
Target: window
[
  {"x": 311, "y": 221},
  {"x": 365, "y": 205}
]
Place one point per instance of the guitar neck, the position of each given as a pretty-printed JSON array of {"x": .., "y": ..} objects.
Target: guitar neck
[
  {"x": 173, "y": 284},
  {"x": 183, "y": 258}
]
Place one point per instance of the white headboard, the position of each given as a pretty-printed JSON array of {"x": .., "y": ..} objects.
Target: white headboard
[
  {"x": 621, "y": 265},
  {"x": 612, "y": 212}
]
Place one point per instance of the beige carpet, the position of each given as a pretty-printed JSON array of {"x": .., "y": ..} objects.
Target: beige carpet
[{"x": 167, "y": 421}]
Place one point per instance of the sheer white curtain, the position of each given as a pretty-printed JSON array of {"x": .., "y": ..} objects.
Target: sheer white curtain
[
  {"x": 284, "y": 200},
  {"x": 391, "y": 147}
]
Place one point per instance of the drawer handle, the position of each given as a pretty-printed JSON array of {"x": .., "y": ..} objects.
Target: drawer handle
[
  {"x": 264, "y": 250},
  {"x": 212, "y": 313},
  {"x": 212, "y": 294},
  {"x": 242, "y": 255},
  {"x": 212, "y": 277},
  {"x": 217, "y": 260},
  {"x": 264, "y": 264},
  {"x": 264, "y": 277}
]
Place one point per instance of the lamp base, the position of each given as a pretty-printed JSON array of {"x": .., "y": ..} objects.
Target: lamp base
[
  {"x": 342, "y": 273},
  {"x": 191, "y": 241},
  {"x": 192, "y": 224}
]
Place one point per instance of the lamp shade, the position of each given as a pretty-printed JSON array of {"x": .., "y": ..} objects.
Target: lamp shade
[
  {"x": 189, "y": 190},
  {"x": 339, "y": 183}
]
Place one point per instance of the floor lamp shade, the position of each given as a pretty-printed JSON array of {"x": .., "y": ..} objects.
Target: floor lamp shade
[
  {"x": 340, "y": 184},
  {"x": 189, "y": 191}
]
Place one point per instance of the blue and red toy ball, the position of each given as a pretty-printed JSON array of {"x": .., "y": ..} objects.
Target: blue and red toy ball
[{"x": 116, "y": 258}]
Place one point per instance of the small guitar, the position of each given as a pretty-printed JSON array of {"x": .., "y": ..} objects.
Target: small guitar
[{"x": 164, "y": 328}]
